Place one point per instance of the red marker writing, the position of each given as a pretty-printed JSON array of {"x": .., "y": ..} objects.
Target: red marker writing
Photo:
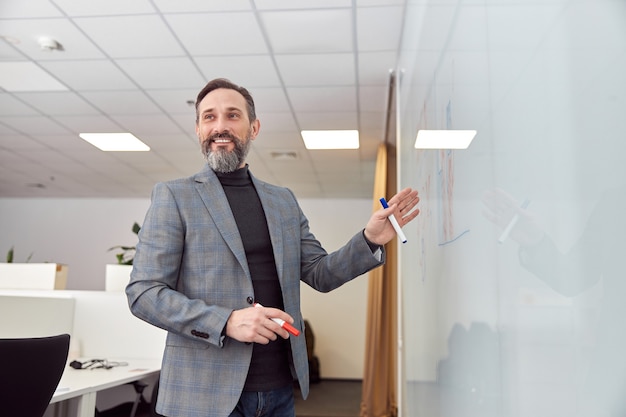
[{"x": 282, "y": 323}]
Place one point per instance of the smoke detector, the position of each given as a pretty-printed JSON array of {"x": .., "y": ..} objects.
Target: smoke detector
[{"x": 49, "y": 44}]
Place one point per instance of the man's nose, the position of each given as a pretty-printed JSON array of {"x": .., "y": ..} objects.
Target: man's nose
[{"x": 220, "y": 126}]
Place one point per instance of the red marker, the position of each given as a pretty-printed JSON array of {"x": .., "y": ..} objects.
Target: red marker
[{"x": 282, "y": 323}]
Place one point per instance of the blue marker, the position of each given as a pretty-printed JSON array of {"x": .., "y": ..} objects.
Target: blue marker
[{"x": 394, "y": 222}]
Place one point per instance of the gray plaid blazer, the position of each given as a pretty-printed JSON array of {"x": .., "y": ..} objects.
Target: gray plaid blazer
[{"x": 190, "y": 272}]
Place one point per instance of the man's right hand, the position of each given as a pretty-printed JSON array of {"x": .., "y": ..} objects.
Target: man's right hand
[{"x": 255, "y": 324}]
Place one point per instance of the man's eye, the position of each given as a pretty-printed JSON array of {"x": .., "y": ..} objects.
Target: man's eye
[{"x": 208, "y": 117}]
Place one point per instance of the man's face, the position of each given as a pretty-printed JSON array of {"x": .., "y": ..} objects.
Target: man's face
[{"x": 224, "y": 129}]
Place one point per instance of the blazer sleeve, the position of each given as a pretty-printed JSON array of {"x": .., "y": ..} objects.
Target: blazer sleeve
[
  {"x": 327, "y": 271},
  {"x": 153, "y": 293}
]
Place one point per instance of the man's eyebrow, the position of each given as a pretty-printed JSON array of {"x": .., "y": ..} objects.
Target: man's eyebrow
[{"x": 232, "y": 108}]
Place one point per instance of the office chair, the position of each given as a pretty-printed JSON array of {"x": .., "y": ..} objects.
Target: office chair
[{"x": 30, "y": 371}]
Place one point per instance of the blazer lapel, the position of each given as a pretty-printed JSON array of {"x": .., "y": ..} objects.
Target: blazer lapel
[{"x": 216, "y": 204}]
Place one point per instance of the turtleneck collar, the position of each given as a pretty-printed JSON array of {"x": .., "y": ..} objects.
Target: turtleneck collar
[{"x": 239, "y": 176}]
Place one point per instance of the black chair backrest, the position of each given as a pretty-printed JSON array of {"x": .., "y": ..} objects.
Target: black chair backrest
[{"x": 30, "y": 370}]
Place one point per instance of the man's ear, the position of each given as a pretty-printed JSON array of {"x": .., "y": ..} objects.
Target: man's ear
[{"x": 255, "y": 126}]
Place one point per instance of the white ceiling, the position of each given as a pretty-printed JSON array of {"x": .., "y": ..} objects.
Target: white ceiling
[{"x": 134, "y": 65}]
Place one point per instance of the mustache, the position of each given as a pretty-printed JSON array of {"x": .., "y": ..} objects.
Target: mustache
[{"x": 223, "y": 135}]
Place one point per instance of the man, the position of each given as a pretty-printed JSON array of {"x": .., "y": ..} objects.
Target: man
[{"x": 215, "y": 244}]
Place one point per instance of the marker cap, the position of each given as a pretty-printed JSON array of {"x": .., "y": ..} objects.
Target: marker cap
[{"x": 290, "y": 329}]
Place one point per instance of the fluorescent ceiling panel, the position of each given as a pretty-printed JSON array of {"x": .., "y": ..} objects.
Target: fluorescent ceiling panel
[
  {"x": 444, "y": 139},
  {"x": 26, "y": 76},
  {"x": 115, "y": 142},
  {"x": 331, "y": 139}
]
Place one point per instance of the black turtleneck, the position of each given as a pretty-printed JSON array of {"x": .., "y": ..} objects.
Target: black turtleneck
[{"x": 269, "y": 368}]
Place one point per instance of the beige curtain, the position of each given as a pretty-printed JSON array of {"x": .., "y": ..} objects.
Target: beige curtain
[{"x": 379, "y": 379}]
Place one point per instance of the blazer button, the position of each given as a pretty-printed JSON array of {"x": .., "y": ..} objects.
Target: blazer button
[{"x": 250, "y": 300}]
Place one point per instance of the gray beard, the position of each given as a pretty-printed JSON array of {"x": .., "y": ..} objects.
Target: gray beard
[{"x": 225, "y": 161}]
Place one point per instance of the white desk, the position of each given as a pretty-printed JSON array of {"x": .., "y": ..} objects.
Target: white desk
[{"x": 84, "y": 384}]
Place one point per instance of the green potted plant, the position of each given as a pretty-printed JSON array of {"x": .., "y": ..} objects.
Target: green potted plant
[
  {"x": 10, "y": 254},
  {"x": 127, "y": 253},
  {"x": 118, "y": 275}
]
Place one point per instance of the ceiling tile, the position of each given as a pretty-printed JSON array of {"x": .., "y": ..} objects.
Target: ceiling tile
[
  {"x": 186, "y": 6},
  {"x": 34, "y": 125},
  {"x": 328, "y": 120},
  {"x": 375, "y": 67},
  {"x": 147, "y": 124},
  {"x": 88, "y": 124},
  {"x": 134, "y": 36},
  {"x": 172, "y": 144},
  {"x": 10, "y": 106},
  {"x": 5, "y": 129},
  {"x": 237, "y": 69},
  {"x": 186, "y": 122},
  {"x": 176, "y": 101},
  {"x": 372, "y": 120},
  {"x": 373, "y": 99},
  {"x": 279, "y": 141},
  {"x": 269, "y": 99},
  {"x": 334, "y": 160},
  {"x": 300, "y": 4},
  {"x": 329, "y": 98},
  {"x": 29, "y": 9},
  {"x": 371, "y": 35},
  {"x": 7, "y": 51},
  {"x": 104, "y": 7},
  {"x": 121, "y": 102},
  {"x": 365, "y": 3},
  {"x": 277, "y": 122},
  {"x": 25, "y": 34},
  {"x": 143, "y": 161},
  {"x": 89, "y": 75},
  {"x": 314, "y": 69},
  {"x": 162, "y": 73},
  {"x": 204, "y": 34},
  {"x": 58, "y": 103},
  {"x": 27, "y": 76},
  {"x": 18, "y": 142},
  {"x": 70, "y": 145},
  {"x": 299, "y": 31},
  {"x": 52, "y": 159}
]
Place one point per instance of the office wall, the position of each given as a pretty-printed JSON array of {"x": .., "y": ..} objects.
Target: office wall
[
  {"x": 78, "y": 232},
  {"x": 531, "y": 326}
]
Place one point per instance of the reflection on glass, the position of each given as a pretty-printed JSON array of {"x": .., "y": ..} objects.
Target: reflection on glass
[{"x": 514, "y": 298}]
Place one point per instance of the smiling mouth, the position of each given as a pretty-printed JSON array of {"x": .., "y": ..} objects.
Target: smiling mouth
[{"x": 221, "y": 140}]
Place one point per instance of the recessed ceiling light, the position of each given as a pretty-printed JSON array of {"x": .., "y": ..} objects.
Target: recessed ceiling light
[
  {"x": 26, "y": 76},
  {"x": 444, "y": 139},
  {"x": 115, "y": 142},
  {"x": 331, "y": 139}
]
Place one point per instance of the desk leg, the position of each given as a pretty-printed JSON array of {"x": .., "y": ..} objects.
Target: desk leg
[
  {"x": 60, "y": 409},
  {"x": 87, "y": 405}
]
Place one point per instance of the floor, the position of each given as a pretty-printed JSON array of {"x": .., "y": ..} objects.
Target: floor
[
  {"x": 330, "y": 398},
  {"x": 327, "y": 398}
]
